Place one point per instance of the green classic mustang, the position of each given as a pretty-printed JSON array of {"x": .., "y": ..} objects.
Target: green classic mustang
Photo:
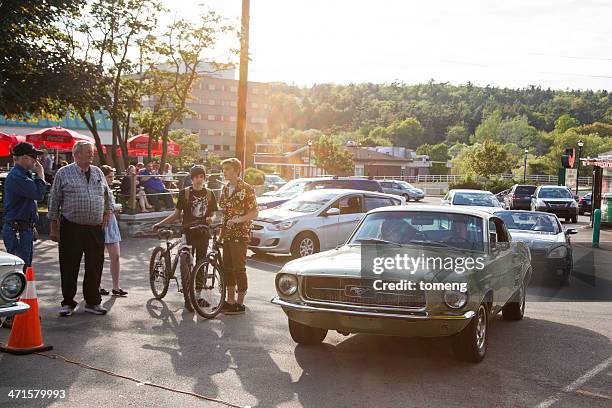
[{"x": 422, "y": 271}]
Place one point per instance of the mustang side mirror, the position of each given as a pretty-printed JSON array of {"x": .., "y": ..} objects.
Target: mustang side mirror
[
  {"x": 332, "y": 211},
  {"x": 571, "y": 231}
]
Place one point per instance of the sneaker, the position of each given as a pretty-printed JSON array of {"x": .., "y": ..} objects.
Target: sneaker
[
  {"x": 66, "y": 311},
  {"x": 226, "y": 307},
  {"x": 95, "y": 309},
  {"x": 119, "y": 292},
  {"x": 103, "y": 291},
  {"x": 236, "y": 308}
]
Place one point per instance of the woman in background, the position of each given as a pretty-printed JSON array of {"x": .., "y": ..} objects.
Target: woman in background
[
  {"x": 141, "y": 196},
  {"x": 112, "y": 240}
]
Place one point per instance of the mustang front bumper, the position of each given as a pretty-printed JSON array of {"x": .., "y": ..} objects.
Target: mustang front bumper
[{"x": 417, "y": 324}]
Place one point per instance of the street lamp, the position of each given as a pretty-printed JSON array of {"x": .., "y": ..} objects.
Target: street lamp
[
  {"x": 525, "y": 167},
  {"x": 580, "y": 144},
  {"x": 309, "y": 158},
  {"x": 206, "y": 156}
]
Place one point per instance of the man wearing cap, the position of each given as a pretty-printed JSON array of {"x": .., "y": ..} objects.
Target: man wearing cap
[{"x": 21, "y": 191}]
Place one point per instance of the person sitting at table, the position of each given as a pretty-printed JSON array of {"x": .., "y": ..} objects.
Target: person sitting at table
[
  {"x": 126, "y": 189},
  {"x": 155, "y": 189}
]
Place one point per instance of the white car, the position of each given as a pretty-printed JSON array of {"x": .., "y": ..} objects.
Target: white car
[
  {"x": 476, "y": 199},
  {"x": 314, "y": 221},
  {"x": 12, "y": 285}
]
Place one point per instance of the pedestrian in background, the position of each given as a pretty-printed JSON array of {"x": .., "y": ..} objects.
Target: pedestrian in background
[
  {"x": 155, "y": 188},
  {"x": 239, "y": 206},
  {"x": 79, "y": 208},
  {"x": 112, "y": 239}
]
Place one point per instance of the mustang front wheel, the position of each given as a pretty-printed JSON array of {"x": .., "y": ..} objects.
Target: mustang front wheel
[
  {"x": 471, "y": 343},
  {"x": 303, "y": 334}
]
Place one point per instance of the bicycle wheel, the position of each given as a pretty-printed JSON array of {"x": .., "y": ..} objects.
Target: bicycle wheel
[
  {"x": 185, "y": 265},
  {"x": 207, "y": 288},
  {"x": 159, "y": 273}
]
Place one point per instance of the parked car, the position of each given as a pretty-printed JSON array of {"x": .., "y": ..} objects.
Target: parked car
[
  {"x": 273, "y": 182},
  {"x": 314, "y": 221},
  {"x": 585, "y": 204},
  {"x": 12, "y": 285},
  {"x": 402, "y": 188},
  {"x": 480, "y": 199},
  {"x": 551, "y": 249},
  {"x": 501, "y": 196},
  {"x": 558, "y": 200},
  {"x": 519, "y": 197},
  {"x": 328, "y": 291},
  {"x": 295, "y": 187}
]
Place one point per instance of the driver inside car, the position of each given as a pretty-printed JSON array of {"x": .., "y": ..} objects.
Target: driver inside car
[{"x": 397, "y": 231}]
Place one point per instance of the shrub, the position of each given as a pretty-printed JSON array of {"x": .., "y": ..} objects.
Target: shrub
[
  {"x": 254, "y": 176},
  {"x": 497, "y": 185},
  {"x": 468, "y": 183}
]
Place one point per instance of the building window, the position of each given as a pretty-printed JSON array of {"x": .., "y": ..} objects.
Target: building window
[
  {"x": 258, "y": 120},
  {"x": 232, "y": 133},
  {"x": 211, "y": 132},
  {"x": 211, "y": 117},
  {"x": 203, "y": 146},
  {"x": 211, "y": 102},
  {"x": 256, "y": 91},
  {"x": 211, "y": 87},
  {"x": 217, "y": 147},
  {"x": 254, "y": 105},
  {"x": 233, "y": 89},
  {"x": 226, "y": 147},
  {"x": 359, "y": 170},
  {"x": 195, "y": 131},
  {"x": 232, "y": 118},
  {"x": 233, "y": 104}
]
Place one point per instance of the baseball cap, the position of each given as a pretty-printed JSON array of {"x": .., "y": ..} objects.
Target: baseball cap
[{"x": 25, "y": 148}]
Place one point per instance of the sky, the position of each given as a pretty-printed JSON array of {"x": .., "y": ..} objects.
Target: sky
[{"x": 561, "y": 44}]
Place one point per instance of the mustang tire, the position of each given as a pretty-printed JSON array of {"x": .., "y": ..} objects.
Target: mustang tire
[
  {"x": 515, "y": 309},
  {"x": 303, "y": 334},
  {"x": 471, "y": 343}
]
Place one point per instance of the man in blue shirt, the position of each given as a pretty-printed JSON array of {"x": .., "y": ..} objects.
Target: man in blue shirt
[
  {"x": 155, "y": 189},
  {"x": 21, "y": 193}
]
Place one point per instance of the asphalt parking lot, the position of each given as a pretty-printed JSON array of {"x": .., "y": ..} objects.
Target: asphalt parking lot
[{"x": 559, "y": 355}]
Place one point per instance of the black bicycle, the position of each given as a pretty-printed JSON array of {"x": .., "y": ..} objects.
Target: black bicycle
[
  {"x": 164, "y": 261},
  {"x": 207, "y": 284}
]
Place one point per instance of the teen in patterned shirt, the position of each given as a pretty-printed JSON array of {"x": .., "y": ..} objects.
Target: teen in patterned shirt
[{"x": 239, "y": 206}]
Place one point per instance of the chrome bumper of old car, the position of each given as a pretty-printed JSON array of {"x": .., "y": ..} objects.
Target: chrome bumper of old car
[
  {"x": 15, "y": 309},
  {"x": 384, "y": 314}
]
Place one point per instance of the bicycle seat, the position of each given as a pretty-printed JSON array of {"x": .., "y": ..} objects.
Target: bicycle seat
[{"x": 165, "y": 234}]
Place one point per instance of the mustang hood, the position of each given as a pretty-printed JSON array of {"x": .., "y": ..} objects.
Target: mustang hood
[{"x": 347, "y": 261}]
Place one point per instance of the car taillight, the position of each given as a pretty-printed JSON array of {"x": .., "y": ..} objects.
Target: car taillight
[{"x": 514, "y": 196}]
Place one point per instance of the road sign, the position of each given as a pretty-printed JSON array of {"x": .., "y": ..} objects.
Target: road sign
[{"x": 570, "y": 177}]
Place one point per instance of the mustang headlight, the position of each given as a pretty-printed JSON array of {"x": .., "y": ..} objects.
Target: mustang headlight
[
  {"x": 455, "y": 299},
  {"x": 12, "y": 285},
  {"x": 282, "y": 226},
  {"x": 559, "y": 252},
  {"x": 287, "y": 284}
]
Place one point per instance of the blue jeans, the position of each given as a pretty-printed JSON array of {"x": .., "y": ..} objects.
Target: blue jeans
[{"x": 18, "y": 243}]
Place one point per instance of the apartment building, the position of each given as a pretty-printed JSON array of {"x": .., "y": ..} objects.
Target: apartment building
[{"x": 215, "y": 106}]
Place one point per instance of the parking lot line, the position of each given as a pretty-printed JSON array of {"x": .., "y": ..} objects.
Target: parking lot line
[{"x": 576, "y": 384}]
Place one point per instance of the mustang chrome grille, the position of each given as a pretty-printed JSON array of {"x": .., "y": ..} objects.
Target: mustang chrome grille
[{"x": 356, "y": 291}]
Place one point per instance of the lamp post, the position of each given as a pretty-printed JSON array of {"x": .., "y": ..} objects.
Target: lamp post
[
  {"x": 309, "y": 158},
  {"x": 525, "y": 166},
  {"x": 580, "y": 144},
  {"x": 206, "y": 156}
]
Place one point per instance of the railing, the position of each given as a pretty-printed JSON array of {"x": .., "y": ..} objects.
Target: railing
[{"x": 452, "y": 178}]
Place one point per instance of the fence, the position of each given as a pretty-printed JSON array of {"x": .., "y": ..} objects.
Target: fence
[{"x": 452, "y": 178}]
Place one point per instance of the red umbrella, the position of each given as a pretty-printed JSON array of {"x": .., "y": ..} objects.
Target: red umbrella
[
  {"x": 138, "y": 145},
  {"x": 57, "y": 138},
  {"x": 7, "y": 142}
]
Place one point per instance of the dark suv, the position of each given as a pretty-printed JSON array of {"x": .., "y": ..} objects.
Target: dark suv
[
  {"x": 519, "y": 197},
  {"x": 295, "y": 187},
  {"x": 558, "y": 200}
]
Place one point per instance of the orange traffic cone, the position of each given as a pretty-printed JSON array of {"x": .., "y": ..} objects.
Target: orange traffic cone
[{"x": 25, "y": 337}]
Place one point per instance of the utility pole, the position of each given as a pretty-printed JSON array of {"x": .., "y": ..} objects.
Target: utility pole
[{"x": 242, "y": 84}]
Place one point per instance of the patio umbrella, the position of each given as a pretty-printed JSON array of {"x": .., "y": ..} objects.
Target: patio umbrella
[
  {"x": 137, "y": 146},
  {"x": 58, "y": 138},
  {"x": 7, "y": 142}
]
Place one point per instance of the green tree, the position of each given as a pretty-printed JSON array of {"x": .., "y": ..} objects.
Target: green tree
[
  {"x": 565, "y": 122},
  {"x": 601, "y": 129},
  {"x": 457, "y": 134},
  {"x": 488, "y": 158},
  {"x": 593, "y": 146},
  {"x": 438, "y": 154},
  {"x": 406, "y": 133},
  {"x": 489, "y": 128},
  {"x": 329, "y": 156},
  {"x": 190, "y": 148}
]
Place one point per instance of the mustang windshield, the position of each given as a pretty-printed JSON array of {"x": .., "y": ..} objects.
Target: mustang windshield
[
  {"x": 435, "y": 229},
  {"x": 521, "y": 221},
  {"x": 308, "y": 202}
]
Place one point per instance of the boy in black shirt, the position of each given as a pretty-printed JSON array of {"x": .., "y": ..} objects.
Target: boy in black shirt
[{"x": 196, "y": 204}]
